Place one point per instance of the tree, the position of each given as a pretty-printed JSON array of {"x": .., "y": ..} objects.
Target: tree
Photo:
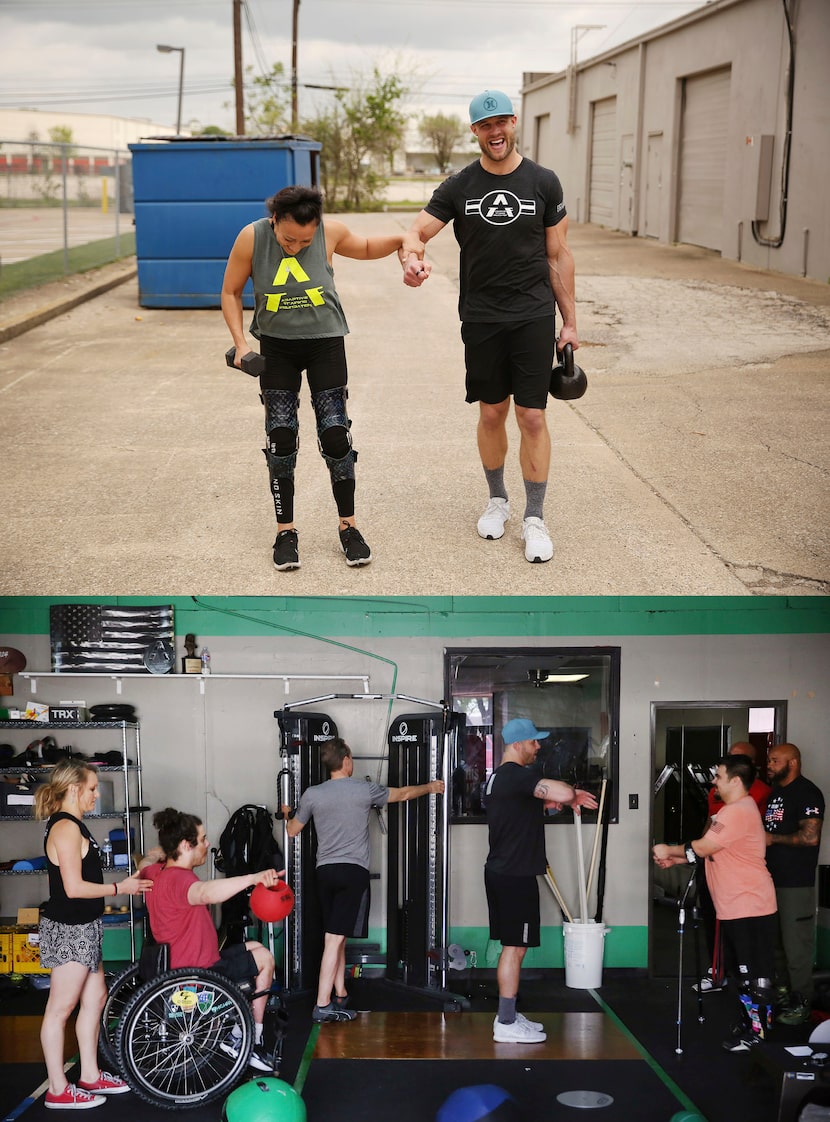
[
  {"x": 61, "y": 134},
  {"x": 267, "y": 102},
  {"x": 362, "y": 129},
  {"x": 442, "y": 133}
]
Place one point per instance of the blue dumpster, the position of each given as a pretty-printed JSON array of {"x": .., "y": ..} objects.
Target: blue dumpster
[{"x": 192, "y": 197}]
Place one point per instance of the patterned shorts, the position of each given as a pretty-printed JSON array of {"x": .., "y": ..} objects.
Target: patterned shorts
[{"x": 71, "y": 942}]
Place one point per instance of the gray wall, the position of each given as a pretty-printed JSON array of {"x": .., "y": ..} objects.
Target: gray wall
[
  {"x": 645, "y": 76},
  {"x": 210, "y": 752}
]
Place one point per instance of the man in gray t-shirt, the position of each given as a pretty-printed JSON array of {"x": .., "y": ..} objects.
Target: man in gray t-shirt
[{"x": 341, "y": 808}]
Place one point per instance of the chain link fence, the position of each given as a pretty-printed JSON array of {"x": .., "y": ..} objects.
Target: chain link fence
[{"x": 64, "y": 209}]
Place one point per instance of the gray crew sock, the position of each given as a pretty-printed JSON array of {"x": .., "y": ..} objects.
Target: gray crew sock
[
  {"x": 495, "y": 481},
  {"x": 534, "y": 498},
  {"x": 507, "y": 1010}
]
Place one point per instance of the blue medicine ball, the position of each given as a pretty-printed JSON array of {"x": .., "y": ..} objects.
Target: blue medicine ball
[{"x": 483, "y": 1103}]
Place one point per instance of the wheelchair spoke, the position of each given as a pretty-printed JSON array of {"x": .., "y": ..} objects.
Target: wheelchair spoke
[{"x": 172, "y": 1037}]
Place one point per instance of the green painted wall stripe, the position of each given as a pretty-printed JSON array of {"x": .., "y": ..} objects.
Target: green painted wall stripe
[
  {"x": 305, "y": 1063},
  {"x": 450, "y": 617},
  {"x": 662, "y": 1075}
]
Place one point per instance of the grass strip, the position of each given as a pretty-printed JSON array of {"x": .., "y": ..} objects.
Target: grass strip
[{"x": 50, "y": 266}]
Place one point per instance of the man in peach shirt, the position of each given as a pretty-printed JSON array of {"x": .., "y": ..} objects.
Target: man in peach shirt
[{"x": 733, "y": 850}]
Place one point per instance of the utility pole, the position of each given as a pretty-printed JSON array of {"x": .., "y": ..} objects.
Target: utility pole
[
  {"x": 576, "y": 34},
  {"x": 237, "y": 68},
  {"x": 295, "y": 124}
]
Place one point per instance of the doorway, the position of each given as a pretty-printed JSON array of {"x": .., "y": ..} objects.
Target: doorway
[{"x": 687, "y": 740}]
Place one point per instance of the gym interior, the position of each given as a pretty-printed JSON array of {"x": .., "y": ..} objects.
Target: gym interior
[{"x": 641, "y": 697}]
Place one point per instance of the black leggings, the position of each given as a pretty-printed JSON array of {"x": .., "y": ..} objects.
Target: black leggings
[{"x": 324, "y": 361}]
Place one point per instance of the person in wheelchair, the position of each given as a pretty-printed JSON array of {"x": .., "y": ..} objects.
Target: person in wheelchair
[{"x": 179, "y": 915}]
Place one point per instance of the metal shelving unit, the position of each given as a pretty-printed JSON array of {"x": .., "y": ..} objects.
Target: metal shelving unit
[{"x": 132, "y": 814}]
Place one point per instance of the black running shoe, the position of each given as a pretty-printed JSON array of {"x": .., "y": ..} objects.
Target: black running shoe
[
  {"x": 331, "y": 1013},
  {"x": 744, "y": 1043},
  {"x": 259, "y": 1059},
  {"x": 286, "y": 554},
  {"x": 356, "y": 550}
]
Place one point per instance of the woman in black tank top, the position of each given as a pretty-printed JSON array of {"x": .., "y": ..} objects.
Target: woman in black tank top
[{"x": 71, "y": 934}]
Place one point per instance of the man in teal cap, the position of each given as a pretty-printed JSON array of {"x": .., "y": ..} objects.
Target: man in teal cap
[
  {"x": 516, "y": 800},
  {"x": 510, "y": 221}
]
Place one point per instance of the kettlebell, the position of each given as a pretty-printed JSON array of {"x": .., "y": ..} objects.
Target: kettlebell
[{"x": 567, "y": 380}]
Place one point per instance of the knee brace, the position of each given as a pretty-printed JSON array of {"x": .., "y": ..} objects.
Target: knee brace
[
  {"x": 281, "y": 431},
  {"x": 757, "y": 998},
  {"x": 333, "y": 436}
]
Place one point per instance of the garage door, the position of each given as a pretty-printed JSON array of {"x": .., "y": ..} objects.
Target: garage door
[
  {"x": 703, "y": 159},
  {"x": 603, "y": 170}
]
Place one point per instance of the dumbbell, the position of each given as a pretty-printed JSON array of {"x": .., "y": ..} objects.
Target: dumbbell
[{"x": 251, "y": 363}]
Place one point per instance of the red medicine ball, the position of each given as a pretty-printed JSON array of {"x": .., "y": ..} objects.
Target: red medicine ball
[{"x": 272, "y": 904}]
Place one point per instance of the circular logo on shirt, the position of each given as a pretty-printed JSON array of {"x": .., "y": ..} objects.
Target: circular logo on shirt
[{"x": 500, "y": 208}]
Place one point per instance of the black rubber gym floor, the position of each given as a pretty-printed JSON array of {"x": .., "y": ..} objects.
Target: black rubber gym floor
[{"x": 619, "y": 1041}]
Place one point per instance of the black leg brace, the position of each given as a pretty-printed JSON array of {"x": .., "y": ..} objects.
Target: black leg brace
[{"x": 282, "y": 434}]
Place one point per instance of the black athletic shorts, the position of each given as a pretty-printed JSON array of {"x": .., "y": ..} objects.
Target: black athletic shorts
[
  {"x": 753, "y": 943},
  {"x": 236, "y": 963},
  {"x": 344, "y": 899},
  {"x": 509, "y": 359},
  {"x": 513, "y": 905},
  {"x": 324, "y": 361}
]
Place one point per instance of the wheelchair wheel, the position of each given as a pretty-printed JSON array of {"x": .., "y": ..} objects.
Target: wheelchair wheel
[
  {"x": 173, "y": 1042},
  {"x": 119, "y": 991}
]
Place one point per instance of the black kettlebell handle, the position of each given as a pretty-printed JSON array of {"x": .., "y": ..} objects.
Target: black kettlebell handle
[{"x": 567, "y": 357}]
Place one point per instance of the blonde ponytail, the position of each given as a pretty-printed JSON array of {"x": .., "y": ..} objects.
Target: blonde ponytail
[{"x": 49, "y": 796}]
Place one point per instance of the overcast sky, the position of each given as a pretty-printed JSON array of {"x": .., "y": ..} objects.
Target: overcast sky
[{"x": 99, "y": 56}]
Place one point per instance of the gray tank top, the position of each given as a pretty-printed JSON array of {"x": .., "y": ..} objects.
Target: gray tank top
[{"x": 295, "y": 297}]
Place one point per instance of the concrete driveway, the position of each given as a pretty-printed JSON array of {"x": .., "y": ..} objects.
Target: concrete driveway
[{"x": 696, "y": 464}]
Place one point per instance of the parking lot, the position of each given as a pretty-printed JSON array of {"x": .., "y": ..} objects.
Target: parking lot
[{"x": 697, "y": 462}]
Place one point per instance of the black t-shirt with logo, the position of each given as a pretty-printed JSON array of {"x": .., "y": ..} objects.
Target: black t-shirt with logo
[
  {"x": 792, "y": 866},
  {"x": 516, "y": 822},
  {"x": 499, "y": 222}
]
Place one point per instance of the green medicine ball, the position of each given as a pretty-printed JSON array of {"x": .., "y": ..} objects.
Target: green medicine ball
[
  {"x": 264, "y": 1100},
  {"x": 687, "y": 1116}
]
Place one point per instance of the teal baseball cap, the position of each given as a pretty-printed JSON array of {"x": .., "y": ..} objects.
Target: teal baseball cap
[
  {"x": 490, "y": 103},
  {"x": 520, "y": 728}
]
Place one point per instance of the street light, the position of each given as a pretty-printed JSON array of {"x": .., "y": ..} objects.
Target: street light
[{"x": 165, "y": 50}]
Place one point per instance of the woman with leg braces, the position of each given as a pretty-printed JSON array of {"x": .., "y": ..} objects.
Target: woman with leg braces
[{"x": 300, "y": 325}]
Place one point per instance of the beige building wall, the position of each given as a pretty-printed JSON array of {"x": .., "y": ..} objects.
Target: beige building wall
[
  {"x": 89, "y": 130},
  {"x": 653, "y": 85}
]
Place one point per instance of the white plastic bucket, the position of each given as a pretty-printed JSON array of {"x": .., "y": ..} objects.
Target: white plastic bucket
[{"x": 584, "y": 943}]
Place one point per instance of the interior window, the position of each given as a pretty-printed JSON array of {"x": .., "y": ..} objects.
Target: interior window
[{"x": 570, "y": 692}]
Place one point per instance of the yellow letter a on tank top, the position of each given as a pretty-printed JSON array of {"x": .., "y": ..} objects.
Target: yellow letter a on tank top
[{"x": 290, "y": 267}]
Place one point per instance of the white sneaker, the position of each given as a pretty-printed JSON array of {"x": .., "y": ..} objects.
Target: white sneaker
[
  {"x": 536, "y": 1026},
  {"x": 519, "y": 1032},
  {"x": 538, "y": 546},
  {"x": 491, "y": 523}
]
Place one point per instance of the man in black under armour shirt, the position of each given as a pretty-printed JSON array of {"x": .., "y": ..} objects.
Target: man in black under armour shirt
[{"x": 510, "y": 222}]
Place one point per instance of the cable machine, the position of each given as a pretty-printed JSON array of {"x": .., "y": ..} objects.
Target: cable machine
[
  {"x": 300, "y": 735},
  {"x": 421, "y": 747}
]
